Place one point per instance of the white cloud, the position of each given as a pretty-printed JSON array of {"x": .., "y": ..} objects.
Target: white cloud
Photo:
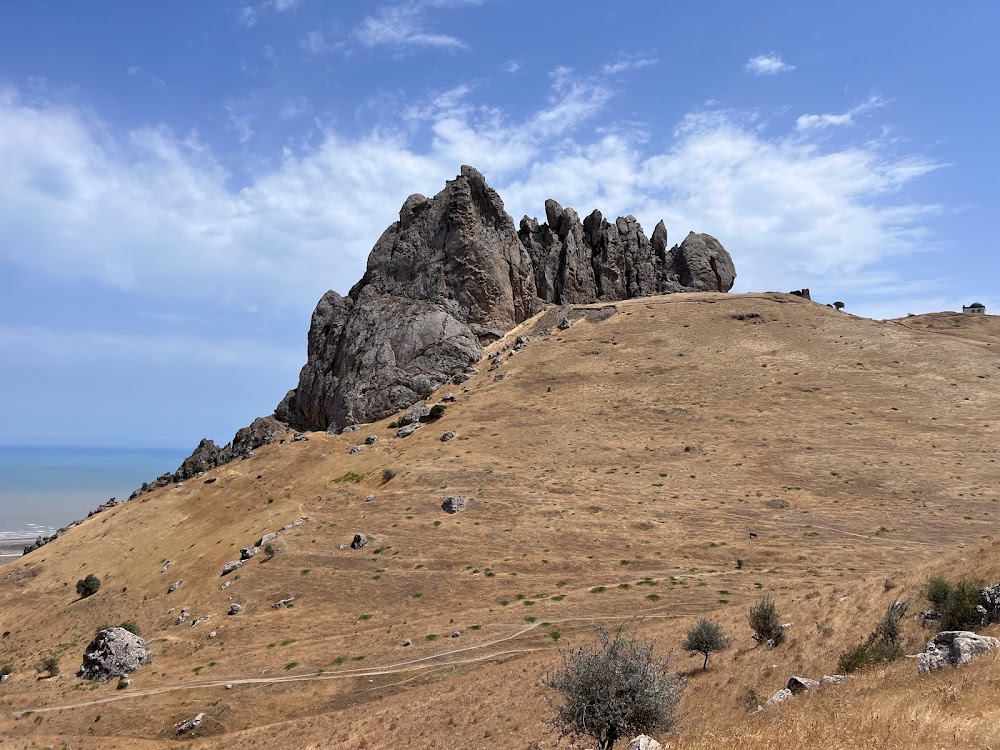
[
  {"x": 35, "y": 345},
  {"x": 820, "y": 122},
  {"x": 511, "y": 66},
  {"x": 314, "y": 42},
  {"x": 295, "y": 108},
  {"x": 149, "y": 210},
  {"x": 404, "y": 24},
  {"x": 248, "y": 14},
  {"x": 137, "y": 72},
  {"x": 767, "y": 65},
  {"x": 239, "y": 122},
  {"x": 625, "y": 63}
]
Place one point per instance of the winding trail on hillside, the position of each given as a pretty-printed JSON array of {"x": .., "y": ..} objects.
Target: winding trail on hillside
[{"x": 423, "y": 665}]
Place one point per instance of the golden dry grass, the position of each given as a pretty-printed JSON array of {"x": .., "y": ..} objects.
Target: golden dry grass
[{"x": 635, "y": 454}]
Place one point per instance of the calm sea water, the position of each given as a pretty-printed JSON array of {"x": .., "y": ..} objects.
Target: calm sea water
[{"x": 45, "y": 487}]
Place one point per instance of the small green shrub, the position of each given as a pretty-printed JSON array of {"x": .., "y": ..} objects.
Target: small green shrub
[
  {"x": 955, "y": 602},
  {"x": 88, "y": 586},
  {"x": 765, "y": 623},
  {"x": 704, "y": 638},
  {"x": 437, "y": 411},
  {"x": 387, "y": 475},
  {"x": 50, "y": 665}
]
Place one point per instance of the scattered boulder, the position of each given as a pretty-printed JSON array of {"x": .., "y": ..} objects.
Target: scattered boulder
[
  {"x": 449, "y": 435},
  {"x": 267, "y": 539},
  {"x": 226, "y": 585},
  {"x": 498, "y": 377},
  {"x": 403, "y": 432},
  {"x": 211, "y": 480},
  {"x": 247, "y": 552},
  {"x": 644, "y": 742},
  {"x": 282, "y": 603},
  {"x": 174, "y": 586},
  {"x": 780, "y": 697},
  {"x": 349, "y": 429},
  {"x": 369, "y": 498},
  {"x": 449, "y": 398},
  {"x": 293, "y": 524},
  {"x": 371, "y": 440},
  {"x": 454, "y": 504},
  {"x": 166, "y": 565},
  {"x": 406, "y": 642},
  {"x": 299, "y": 437},
  {"x": 186, "y": 727},
  {"x": 989, "y": 605},
  {"x": 832, "y": 679},
  {"x": 564, "y": 324},
  {"x": 801, "y": 684},
  {"x": 113, "y": 652},
  {"x": 456, "y": 634},
  {"x": 213, "y": 634},
  {"x": 519, "y": 343},
  {"x": 235, "y": 609},
  {"x": 953, "y": 648},
  {"x": 230, "y": 566},
  {"x": 4, "y": 677},
  {"x": 416, "y": 413},
  {"x": 355, "y": 449},
  {"x": 359, "y": 541}
]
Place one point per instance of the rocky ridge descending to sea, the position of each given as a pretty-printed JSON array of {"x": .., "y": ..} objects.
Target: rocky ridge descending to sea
[{"x": 452, "y": 275}]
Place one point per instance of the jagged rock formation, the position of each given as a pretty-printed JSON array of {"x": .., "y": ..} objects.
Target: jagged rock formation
[
  {"x": 454, "y": 274},
  {"x": 208, "y": 455},
  {"x": 448, "y": 277},
  {"x": 594, "y": 260}
]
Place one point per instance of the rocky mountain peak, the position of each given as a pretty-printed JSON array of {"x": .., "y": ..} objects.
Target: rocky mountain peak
[{"x": 450, "y": 276}]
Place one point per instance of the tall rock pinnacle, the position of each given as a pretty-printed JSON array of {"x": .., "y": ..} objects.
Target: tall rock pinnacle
[{"x": 450, "y": 276}]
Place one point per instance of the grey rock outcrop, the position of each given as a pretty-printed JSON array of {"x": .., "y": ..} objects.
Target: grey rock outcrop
[
  {"x": 953, "y": 648},
  {"x": 113, "y": 652},
  {"x": 359, "y": 541},
  {"x": 780, "y": 697},
  {"x": 582, "y": 262},
  {"x": 186, "y": 727},
  {"x": 801, "y": 685},
  {"x": 448, "y": 277},
  {"x": 403, "y": 432},
  {"x": 453, "y": 274},
  {"x": 454, "y": 504},
  {"x": 644, "y": 742},
  {"x": 989, "y": 606},
  {"x": 230, "y": 566},
  {"x": 208, "y": 455},
  {"x": 416, "y": 413}
]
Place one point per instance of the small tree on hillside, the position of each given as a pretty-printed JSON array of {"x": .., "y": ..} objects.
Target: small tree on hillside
[
  {"x": 765, "y": 623},
  {"x": 88, "y": 586},
  {"x": 839, "y": 305},
  {"x": 704, "y": 638},
  {"x": 614, "y": 690}
]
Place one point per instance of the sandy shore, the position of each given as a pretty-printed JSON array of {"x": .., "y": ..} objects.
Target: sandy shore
[{"x": 11, "y": 549}]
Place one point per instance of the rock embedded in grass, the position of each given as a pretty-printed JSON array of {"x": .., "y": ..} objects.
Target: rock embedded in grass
[{"x": 454, "y": 504}]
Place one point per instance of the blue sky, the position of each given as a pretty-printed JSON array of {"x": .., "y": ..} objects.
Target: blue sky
[{"x": 180, "y": 182}]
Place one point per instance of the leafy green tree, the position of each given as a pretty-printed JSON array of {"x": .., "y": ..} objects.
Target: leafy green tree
[
  {"x": 615, "y": 689},
  {"x": 704, "y": 638}
]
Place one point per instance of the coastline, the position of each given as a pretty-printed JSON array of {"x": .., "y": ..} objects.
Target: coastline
[{"x": 11, "y": 549}]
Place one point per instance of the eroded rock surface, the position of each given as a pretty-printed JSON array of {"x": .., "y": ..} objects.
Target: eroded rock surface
[
  {"x": 113, "y": 652},
  {"x": 953, "y": 648}
]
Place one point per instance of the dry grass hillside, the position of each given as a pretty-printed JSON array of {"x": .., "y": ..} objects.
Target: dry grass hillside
[{"x": 616, "y": 471}]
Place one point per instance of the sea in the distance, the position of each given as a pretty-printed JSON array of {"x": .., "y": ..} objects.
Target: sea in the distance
[{"x": 43, "y": 488}]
